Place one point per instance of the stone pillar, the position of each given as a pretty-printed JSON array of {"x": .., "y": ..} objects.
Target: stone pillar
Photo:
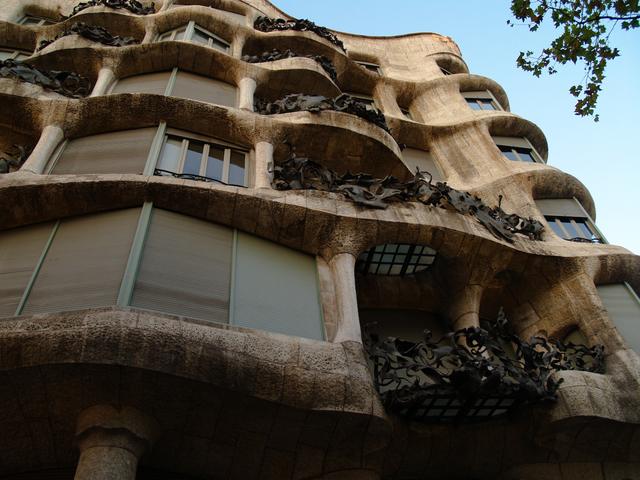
[
  {"x": 237, "y": 45},
  {"x": 348, "y": 322},
  {"x": 105, "y": 77},
  {"x": 465, "y": 308},
  {"x": 150, "y": 33},
  {"x": 111, "y": 441},
  {"x": 49, "y": 140},
  {"x": 247, "y": 88},
  {"x": 264, "y": 164}
]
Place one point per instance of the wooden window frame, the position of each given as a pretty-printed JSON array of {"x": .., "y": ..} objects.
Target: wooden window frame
[
  {"x": 190, "y": 29},
  {"x": 208, "y": 143},
  {"x": 372, "y": 67},
  {"x": 514, "y": 144},
  {"x": 479, "y": 96}
]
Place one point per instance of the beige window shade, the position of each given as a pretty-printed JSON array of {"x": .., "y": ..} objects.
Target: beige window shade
[
  {"x": 125, "y": 151},
  {"x": 148, "y": 83},
  {"x": 512, "y": 141},
  {"x": 185, "y": 268},
  {"x": 20, "y": 250},
  {"x": 276, "y": 289},
  {"x": 624, "y": 311},
  {"x": 196, "y": 87},
  {"x": 422, "y": 159},
  {"x": 560, "y": 207},
  {"x": 479, "y": 94},
  {"x": 85, "y": 263}
]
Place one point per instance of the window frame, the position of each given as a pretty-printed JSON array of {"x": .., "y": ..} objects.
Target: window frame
[
  {"x": 514, "y": 143},
  {"x": 190, "y": 29},
  {"x": 581, "y": 216},
  {"x": 481, "y": 96},
  {"x": 14, "y": 53},
  {"x": 370, "y": 66},
  {"x": 368, "y": 100},
  {"x": 42, "y": 21},
  {"x": 208, "y": 142}
]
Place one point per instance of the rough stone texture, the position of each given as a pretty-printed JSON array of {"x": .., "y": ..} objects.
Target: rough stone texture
[{"x": 239, "y": 403}]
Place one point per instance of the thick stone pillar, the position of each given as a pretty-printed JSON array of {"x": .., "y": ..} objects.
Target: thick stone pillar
[
  {"x": 465, "y": 308},
  {"x": 150, "y": 34},
  {"x": 246, "y": 90},
  {"x": 348, "y": 322},
  {"x": 264, "y": 165},
  {"x": 105, "y": 77},
  {"x": 50, "y": 138},
  {"x": 111, "y": 441}
]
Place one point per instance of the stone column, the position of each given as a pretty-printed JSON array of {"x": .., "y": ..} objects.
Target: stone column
[
  {"x": 348, "y": 322},
  {"x": 246, "y": 90},
  {"x": 149, "y": 34},
  {"x": 465, "y": 308},
  {"x": 49, "y": 140},
  {"x": 264, "y": 164},
  {"x": 105, "y": 77},
  {"x": 111, "y": 441}
]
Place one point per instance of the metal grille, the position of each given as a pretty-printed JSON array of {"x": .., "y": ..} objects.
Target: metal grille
[{"x": 395, "y": 259}]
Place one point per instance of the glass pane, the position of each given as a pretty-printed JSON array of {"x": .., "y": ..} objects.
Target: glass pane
[
  {"x": 556, "y": 228},
  {"x": 170, "y": 155},
  {"x": 568, "y": 226},
  {"x": 473, "y": 104},
  {"x": 509, "y": 153},
  {"x": 584, "y": 230},
  {"x": 193, "y": 158},
  {"x": 180, "y": 33},
  {"x": 30, "y": 21},
  {"x": 164, "y": 36},
  {"x": 487, "y": 104},
  {"x": 215, "y": 163},
  {"x": 21, "y": 56},
  {"x": 200, "y": 37},
  {"x": 219, "y": 45},
  {"x": 236, "y": 169},
  {"x": 4, "y": 54},
  {"x": 525, "y": 154}
]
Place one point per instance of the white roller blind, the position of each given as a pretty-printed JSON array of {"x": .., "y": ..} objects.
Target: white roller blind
[
  {"x": 560, "y": 207},
  {"x": 196, "y": 87},
  {"x": 20, "y": 250},
  {"x": 148, "y": 83},
  {"x": 85, "y": 263},
  {"x": 624, "y": 310},
  {"x": 276, "y": 289},
  {"x": 422, "y": 159},
  {"x": 125, "y": 151},
  {"x": 185, "y": 268}
]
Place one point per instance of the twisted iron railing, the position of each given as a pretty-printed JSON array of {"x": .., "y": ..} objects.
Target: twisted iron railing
[
  {"x": 266, "y": 24},
  {"x": 69, "y": 84},
  {"x": 93, "y": 33},
  {"x": 472, "y": 374},
  {"x": 131, "y": 5},
  {"x": 276, "y": 54}
]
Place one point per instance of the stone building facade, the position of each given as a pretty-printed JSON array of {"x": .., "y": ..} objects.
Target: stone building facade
[{"x": 189, "y": 277}]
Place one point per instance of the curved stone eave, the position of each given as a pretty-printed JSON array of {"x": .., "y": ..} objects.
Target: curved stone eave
[{"x": 314, "y": 222}]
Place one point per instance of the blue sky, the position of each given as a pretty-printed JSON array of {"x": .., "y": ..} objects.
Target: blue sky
[{"x": 603, "y": 155}]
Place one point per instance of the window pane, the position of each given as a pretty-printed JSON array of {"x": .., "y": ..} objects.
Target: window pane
[
  {"x": 165, "y": 36},
  {"x": 568, "y": 226},
  {"x": 525, "y": 154},
  {"x": 21, "y": 56},
  {"x": 170, "y": 155},
  {"x": 473, "y": 103},
  {"x": 180, "y": 33},
  {"x": 4, "y": 54},
  {"x": 508, "y": 152},
  {"x": 193, "y": 158},
  {"x": 215, "y": 163},
  {"x": 219, "y": 45},
  {"x": 556, "y": 228},
  {"x": 487, "y": 104},
  {"x": 584, "y": 229},
  {"x": 200, "y": 37},
  {"x": 30, "y": 21},
  {"x": 236, "y": 169}
]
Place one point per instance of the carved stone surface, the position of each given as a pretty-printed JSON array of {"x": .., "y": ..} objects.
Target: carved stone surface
[
  {"x": 470, "y": 373},
  {"x": 132, "y": 5},
  {"x": 12, "y": 160},
  {"x": 302, "y": 173},
  {"x": 69, "y": 84},
  {"x": 276, "y": 54},
  {"x": 266, "y": 24},
  {"x": 298, "y": 102},
  {"x": 91, "y": 32}
]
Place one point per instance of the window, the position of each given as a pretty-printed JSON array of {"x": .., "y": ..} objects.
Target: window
[
  {"x": 422, "y": 160},
  {"x": 406, "y": 113},
  {"x": 36, "y": 21},
  {"x": 11, "y": 54},
  {"x": 372, "y": 67},
  {"x": 395, "y": 259},
  {"x": 368, "y": 101},
  {"x": 481, "y": 100},
  {"x": 568, "y": 220},
  {"x": 623, "y": 307},
  {"x": 202, "y": 160},
  {"x": 195, "y": 34},
  {"x": 178, "y": 83},
  {"x": 445, "y": 71},
  {"x": 517, "y": 149}
]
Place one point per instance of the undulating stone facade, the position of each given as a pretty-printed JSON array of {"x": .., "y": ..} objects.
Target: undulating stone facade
[{"x": 168, "y": 313}]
